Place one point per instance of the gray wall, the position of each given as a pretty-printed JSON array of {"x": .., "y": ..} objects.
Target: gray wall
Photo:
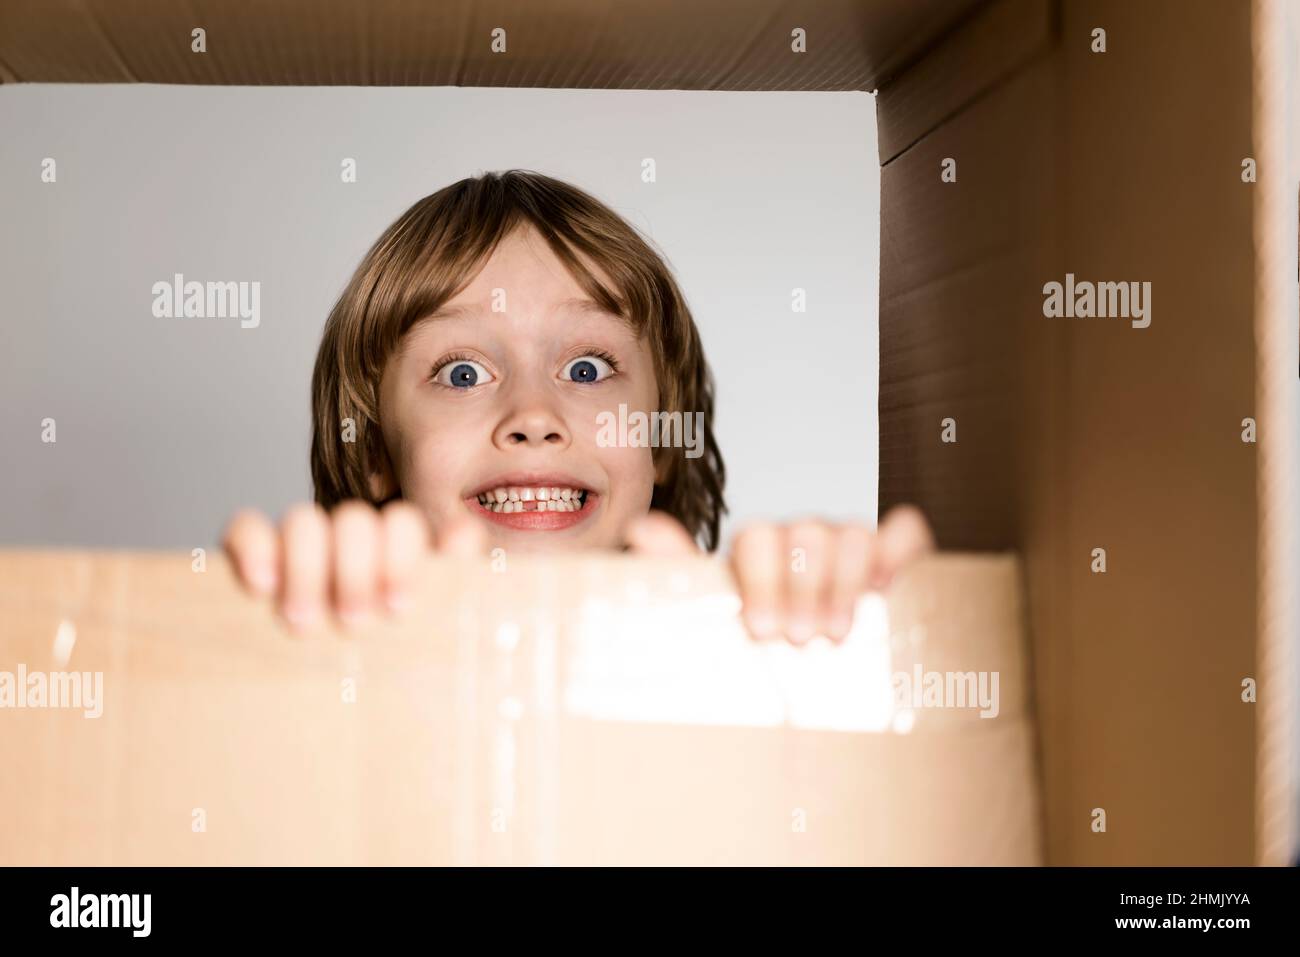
[{"x": 165, "y": 426}]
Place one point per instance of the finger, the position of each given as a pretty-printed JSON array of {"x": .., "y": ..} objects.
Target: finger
[
  {"x": 356, "y": 565},
  {"x": 406, "y": 541},
  {"x": 661, "y": 536},
  {"x": 756, "y": 561},
  {"x": 808, "y": 563},
  {"x": 463, "y": 537},
  {"x": 305, "y": 558},
  {"x": 853, "y": 551},
  {"x": 253, "y": 547},
  {"x": 904, "y": 535}
]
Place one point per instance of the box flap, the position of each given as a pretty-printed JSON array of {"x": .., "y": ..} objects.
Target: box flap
[{"x": 671, "y": 44}]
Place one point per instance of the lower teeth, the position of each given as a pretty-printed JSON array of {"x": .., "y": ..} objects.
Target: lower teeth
[{"x": 551, "y": 505}]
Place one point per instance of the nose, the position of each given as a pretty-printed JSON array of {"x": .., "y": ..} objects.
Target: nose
[{"x": 532, "y": 422}]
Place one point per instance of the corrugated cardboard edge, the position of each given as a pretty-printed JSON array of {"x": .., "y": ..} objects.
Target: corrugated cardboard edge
[{"x": 1276, "y": 41}]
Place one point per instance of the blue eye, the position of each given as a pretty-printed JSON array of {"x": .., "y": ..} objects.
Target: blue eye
[
  {"x": 588, "y": 369},
  {"x": 462, "y": 374}
]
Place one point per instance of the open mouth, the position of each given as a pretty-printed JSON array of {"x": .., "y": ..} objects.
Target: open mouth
[{"x": 539, "y": 505}]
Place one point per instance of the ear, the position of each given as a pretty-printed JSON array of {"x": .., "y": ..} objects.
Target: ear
[{"x": 383, "y": 480}]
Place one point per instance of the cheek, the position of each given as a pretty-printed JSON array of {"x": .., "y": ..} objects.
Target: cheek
[
  {"x": 631, "y": 473},
  {"x": 429, "y": 460},
  {"x": 632, "y": 470}
]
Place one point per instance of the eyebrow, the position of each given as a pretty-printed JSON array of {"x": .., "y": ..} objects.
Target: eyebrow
[{"x": 450, "y": 312}]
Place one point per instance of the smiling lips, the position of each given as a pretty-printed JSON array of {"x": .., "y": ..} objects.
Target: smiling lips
[{"x": 534, "y": 507}]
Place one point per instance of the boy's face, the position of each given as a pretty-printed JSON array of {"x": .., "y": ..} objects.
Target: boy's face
[{"x": 480, "y": 405}]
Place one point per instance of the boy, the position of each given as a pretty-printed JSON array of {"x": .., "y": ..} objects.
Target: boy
[{"x": 456, "y": 397}]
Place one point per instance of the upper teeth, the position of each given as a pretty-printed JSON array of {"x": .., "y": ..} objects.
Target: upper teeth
[{"x": 536, "y": 498}]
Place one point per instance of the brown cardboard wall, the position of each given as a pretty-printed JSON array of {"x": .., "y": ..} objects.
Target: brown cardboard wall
[
  {"x": 1077, "y": 434},
  {"x": 606, "y": 44}
]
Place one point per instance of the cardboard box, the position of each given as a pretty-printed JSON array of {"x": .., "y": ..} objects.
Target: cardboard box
[
  {"x": 1073, "y": 434},
  {"x": 565, "y": 711}
]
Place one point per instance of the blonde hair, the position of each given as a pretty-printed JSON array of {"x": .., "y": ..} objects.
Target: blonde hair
[{"x": 432, "y": 251}]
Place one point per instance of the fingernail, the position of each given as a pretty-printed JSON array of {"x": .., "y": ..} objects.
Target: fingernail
[
  {"x": 840, "y": 627},
  {"x": 352, "y": 615},
  {"x": 262, "y": 578},
  {"x": 299, "y": 616},
  {"x": 761, "y": 623},
  {"x": 801, "y": 629},
  {"x": 397, "y": 601}
]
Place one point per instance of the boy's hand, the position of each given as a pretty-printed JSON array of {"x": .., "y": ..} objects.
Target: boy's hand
[
  {"x": 796, "y": 580},
  {"x": 354, "y": 561},
  {"x": 803, "y": 579}
]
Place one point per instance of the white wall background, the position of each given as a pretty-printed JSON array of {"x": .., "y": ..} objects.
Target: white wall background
[{"x": 165, "y": 426}]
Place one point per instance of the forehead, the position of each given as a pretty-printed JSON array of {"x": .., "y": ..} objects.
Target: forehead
[
  {"x": 525, "y": 267},
  {"x": 525, "y": 279}
]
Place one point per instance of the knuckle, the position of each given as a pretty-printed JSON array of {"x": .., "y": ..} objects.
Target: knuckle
[
  {"x": 756, "y": 538},
  {"x": 303, "y": 516},
  {"x": 353, "y": 514},
  {"x": 813, "y": 537}
]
